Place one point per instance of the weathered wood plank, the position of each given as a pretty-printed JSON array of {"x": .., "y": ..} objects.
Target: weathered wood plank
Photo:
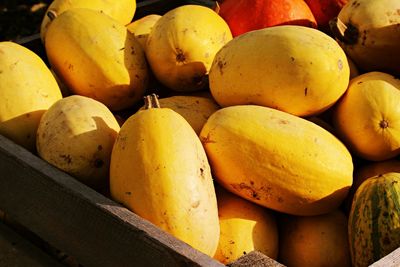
[
  {"x": 15, "y": 251},
  {"x": 255, "y": 259},
  {"x": 80, "y": 221},
  {"x": 390, "y": 260}
]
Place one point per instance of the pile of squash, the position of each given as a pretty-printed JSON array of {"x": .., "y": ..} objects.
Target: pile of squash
[{"x": 280, "y": 137}]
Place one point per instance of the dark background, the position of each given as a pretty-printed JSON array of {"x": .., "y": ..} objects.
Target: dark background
[{"x": 21, "y": 18}]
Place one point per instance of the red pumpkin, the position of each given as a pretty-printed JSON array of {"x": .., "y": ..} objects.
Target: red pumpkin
[
  {"x": 325, "y": 10},
  {"x": 247, "y": 15}
]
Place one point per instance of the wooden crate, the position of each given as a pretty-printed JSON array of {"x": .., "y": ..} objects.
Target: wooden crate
[{"x": 92, "y": 228}]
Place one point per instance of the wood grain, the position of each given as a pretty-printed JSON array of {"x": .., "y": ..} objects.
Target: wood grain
[
  {"x": 15, "y": 251},
  {"x": 390, "y": 260},
  {"x": 80, "y": 221},
  {"x": 255, "y": 259}
]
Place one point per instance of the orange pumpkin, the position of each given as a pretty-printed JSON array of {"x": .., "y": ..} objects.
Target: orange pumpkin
[
  {"x": 325, "y": 10},
  {"x": 247, "y": 15}
]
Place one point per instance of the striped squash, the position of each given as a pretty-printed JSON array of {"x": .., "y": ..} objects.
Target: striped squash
[{"x": 374, "y": 222}]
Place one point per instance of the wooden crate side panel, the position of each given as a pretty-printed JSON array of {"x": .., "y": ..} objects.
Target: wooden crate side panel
[
  {"x": 76, "y": 219},
  {"x": 390, "y": 260},
  {"x": 17, "y": 252}
]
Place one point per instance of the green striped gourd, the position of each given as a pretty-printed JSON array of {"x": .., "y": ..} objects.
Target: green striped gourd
[{"x": 374, "y": 222}]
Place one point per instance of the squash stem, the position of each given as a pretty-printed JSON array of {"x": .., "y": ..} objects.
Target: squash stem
[
  {"x": 51, "y": 14},
  {"x": 347, "y": 34},
  {"x": 151, "y": 101}
]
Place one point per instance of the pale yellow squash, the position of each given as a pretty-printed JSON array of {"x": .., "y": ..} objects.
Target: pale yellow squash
[
  {"x": 369, "y": 32},
  {"x": 296, "y": 69},
  {"x": 245, "y": 227},
  {"x": 142, "y": 27},
  {"x": 76, "y": 135},
  {"x": 195, "y": 109},
  {"x": 99, "y": 58},
  {"x": 27, "y": 90},
  {"x": 277, "y": 160},
  {"x": 121, "y": 10},
  {"x": 182, "y": 46},
  {"x": 368, "y": 116},
  {"x": 314, "y": 241},
  {"x": 160, "y": 171}
]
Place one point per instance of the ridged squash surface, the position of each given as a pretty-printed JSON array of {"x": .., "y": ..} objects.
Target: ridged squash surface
[
  {"x": 100, "y": 58},
  {"x": 277, "y": 160},
  {"x": 27, "y": 90},
  {"x": 296, "y": 69},
  {"x": 160, "y": 171}
]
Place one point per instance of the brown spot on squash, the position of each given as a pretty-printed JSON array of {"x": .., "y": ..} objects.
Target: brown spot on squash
[
  {"x": 248, "y": 190},
  {"x": 221, "y": 65},
  {"x": 206, "y": 140},
  {"x": 340, "y": 64},
  {"x": 195, "y": 204},
  {"x": 98, "y": 163},
  {"x": 66, "y": 158},
  {"x": 305, "y": 91},
  {"x": 99, "y": 147}
]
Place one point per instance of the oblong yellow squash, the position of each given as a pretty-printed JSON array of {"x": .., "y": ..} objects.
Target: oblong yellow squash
[
  {"x": 160, "y": 171},
  {"x": 277, "y": 160},
  {"x": 76, "y": 134},
  {"x": 121, "y": 10},
  {"x": 182, "y": 45},
  {"x": 27, "y": 90},
  {"x": 295, "y": 69},
  {"x": 100, "y": 58},
  {"x": 245, "y": 227},
  {"x": 367, "y": 117}
]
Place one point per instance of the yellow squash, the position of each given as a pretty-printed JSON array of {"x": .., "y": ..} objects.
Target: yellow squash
[
  {"x": 142, "y": 27},
  {"x": 245, "y": 227},
  {"x": 314, "y": 241},
  {"x": 369, "y": 32},
  {"x": 99, "y": 58},
  {"x": 368, "y": 116},
  {"x": 295, "y": 69},
  {"x": 195, "y": 109},
  {"x": 27, "y": 90},
  {"x": 121, "y": 10},
  {"x": 277, "y": 160},
  {"x": 182, "y": 45},
  {"x": 160, "y": 171},
  {"x": 76, "y": 135}
]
